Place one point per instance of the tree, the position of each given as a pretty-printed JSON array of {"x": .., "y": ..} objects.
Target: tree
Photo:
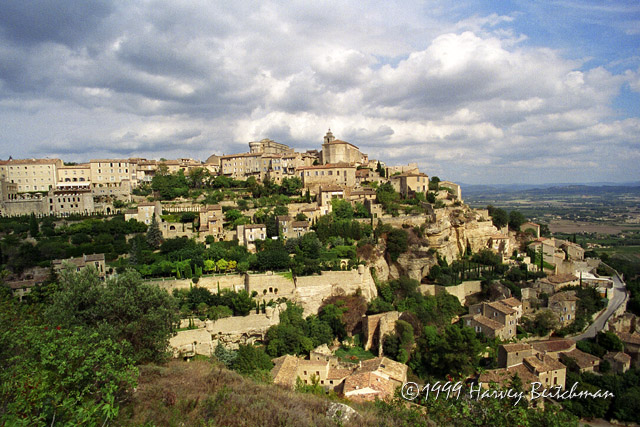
[
  {"x": 154, "y": 235},
  {"x": 251, "y": 359},
  {"x": 499, "y": 216},
  {"x": 516, "y": 219},
  {"x": 140, "y": 316},
  {"x": 397, "y": 243},
  {"x": 33, "y": 226}
]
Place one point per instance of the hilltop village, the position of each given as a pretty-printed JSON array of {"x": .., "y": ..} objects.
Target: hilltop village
[{"x": 352, "y": 275}]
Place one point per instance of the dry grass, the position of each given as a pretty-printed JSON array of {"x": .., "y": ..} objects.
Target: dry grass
[{"x": 200, "y": 393}]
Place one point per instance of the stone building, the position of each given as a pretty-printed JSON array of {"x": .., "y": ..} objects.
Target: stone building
[
  {"x": 71, "y": 198},
  {"x": 563, "y": 304},
  {"x": 30, "y": 175},
  {"x": 326, "y": 193},
  {"x": 513, "y": 354},
  {"x": 376, "y": 326},
  {"x": 269, "y": 146},
  {"x": 313, "y": 177},
  {"x": 579, "y": 360},
  {"x": 493, "y": 319},
  {"x": 337, "y": 151},
  {"x": 110, "y": 173},
  {"x": 620, "y": 362},
  {"x": 80, "y": 263},
  {"x": 410, "y": 183},
  {"x": 248, "y": 234},
  {"x": 211, "y": 221},
  {"x": 145, "y": 212},
  {"x": 74, "y": 173}
]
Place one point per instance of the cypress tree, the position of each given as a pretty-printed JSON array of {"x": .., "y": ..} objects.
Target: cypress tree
[{"x": 154, "y": 235}]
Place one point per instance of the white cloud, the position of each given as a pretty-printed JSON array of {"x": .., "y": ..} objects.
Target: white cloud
[{"x": 464, "y": 96}]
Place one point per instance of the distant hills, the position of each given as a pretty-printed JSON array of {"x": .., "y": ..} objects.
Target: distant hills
[{"x": 558, "y": 188}]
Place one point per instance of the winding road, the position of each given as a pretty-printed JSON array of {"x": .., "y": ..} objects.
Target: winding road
[{"x": 619, "y": 296}]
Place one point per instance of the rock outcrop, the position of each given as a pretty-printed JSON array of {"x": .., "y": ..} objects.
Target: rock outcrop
[{"x": 451, "y": 231}]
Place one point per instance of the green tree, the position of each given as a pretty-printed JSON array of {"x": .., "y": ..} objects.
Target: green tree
[
  {"x": 154, "y": 235},
  {"x": 397, "y": 243},
  {"x": 251, "y": 359},
  {"x": 499, "y": 216},
  {"x": 34, "y": 229},
  {"x": 142, "y": 317},
  {"x": 516, "y": 219}
]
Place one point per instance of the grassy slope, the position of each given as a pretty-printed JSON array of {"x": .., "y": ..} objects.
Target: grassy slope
[{"x": 200, "y": 393}]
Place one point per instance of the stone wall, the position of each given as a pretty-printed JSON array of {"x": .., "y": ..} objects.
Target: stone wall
[
  {"x": 311, "y": 291},
  {"x": 234, "y": 282},
  {"x": 461, "y": 291},
  {"x": 233, "y": 331},
  {"x": 269, "y": 286}
]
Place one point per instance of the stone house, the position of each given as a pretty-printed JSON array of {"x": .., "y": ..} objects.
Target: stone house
[
  {"x": 145, "y": 212},
  {"x": 30, "y": 174},
  {"x": 456, "y": 191},
  {"x": 563, "y": 304},
  {"x": 533, "y": 226},
  {"x": 248, "y": 234},
  {"x": 493, "y": 319},
  {"x": 80, "y": 263},
  {"x": 620, "y": 362},
  {"x": 488, "y": 327},
  {"x": 631, "y": 343},
  {"x": 212, "y": 221},
  {"x": 375, "y": 379},
  {"x": 553, "y": 283},
  {"x": 554, "y": 347},
  {"x": 326, "y": 193},
  {"x": 341, "y": 174},
  {"x": 583, "y": 362},
  {"x": 513, "y": 354},
  {"x": 410, "y": 183}
]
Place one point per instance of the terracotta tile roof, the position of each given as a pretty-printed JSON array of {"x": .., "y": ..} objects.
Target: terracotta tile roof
[
  {"x": 254, "y": 226},
  {"x": 618, "y": 357},
  {"x": 485, "y": 321},
  {"x": 564, "y": 296},
  {"x": 30, "y": 161},
  {"x": 511, "y": 302},
  {"x": 561, "y": 278},
  {"x": 285, "y": 370},
  {"x": 504, "y": 376},
  {"x": 554, "y": 346},
  {"x": 503, "y": 308},
  {"x": 330, "y": 187},
  {"x": 512, "y": 348},
  {"x": 300, "y": 224},
  {"x": 582, "y": 359},
  {"x": 538, "y": 366},
  {"x": 338, "y": 373},
  {"x": 368, "y": 386}
]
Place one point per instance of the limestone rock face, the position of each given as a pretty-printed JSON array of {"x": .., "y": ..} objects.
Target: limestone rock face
[{"x": 449, "y": 233}]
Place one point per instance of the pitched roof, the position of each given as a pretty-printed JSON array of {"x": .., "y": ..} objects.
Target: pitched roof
[
  {"x": 511, "y": 302},
  {"x": 512, "y": 348},
  {"x": 618, "y": 357},
  {"x": 504, "y": 376},
  {"x": 285, "y": 370},
  {"x": 485, "y": 321},
  {"x": 554, "y": 346},
  {"x": 503, "y": 308},
  {"x": 582, "y": 359},
  {"x": 545, "y": 364}
]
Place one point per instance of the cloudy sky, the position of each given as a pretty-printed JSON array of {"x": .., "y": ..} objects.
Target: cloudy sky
[{"x": 474, "y": 91}]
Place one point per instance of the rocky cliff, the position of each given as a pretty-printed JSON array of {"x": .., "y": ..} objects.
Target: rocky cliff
[{"x": 447, "y": 232}]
